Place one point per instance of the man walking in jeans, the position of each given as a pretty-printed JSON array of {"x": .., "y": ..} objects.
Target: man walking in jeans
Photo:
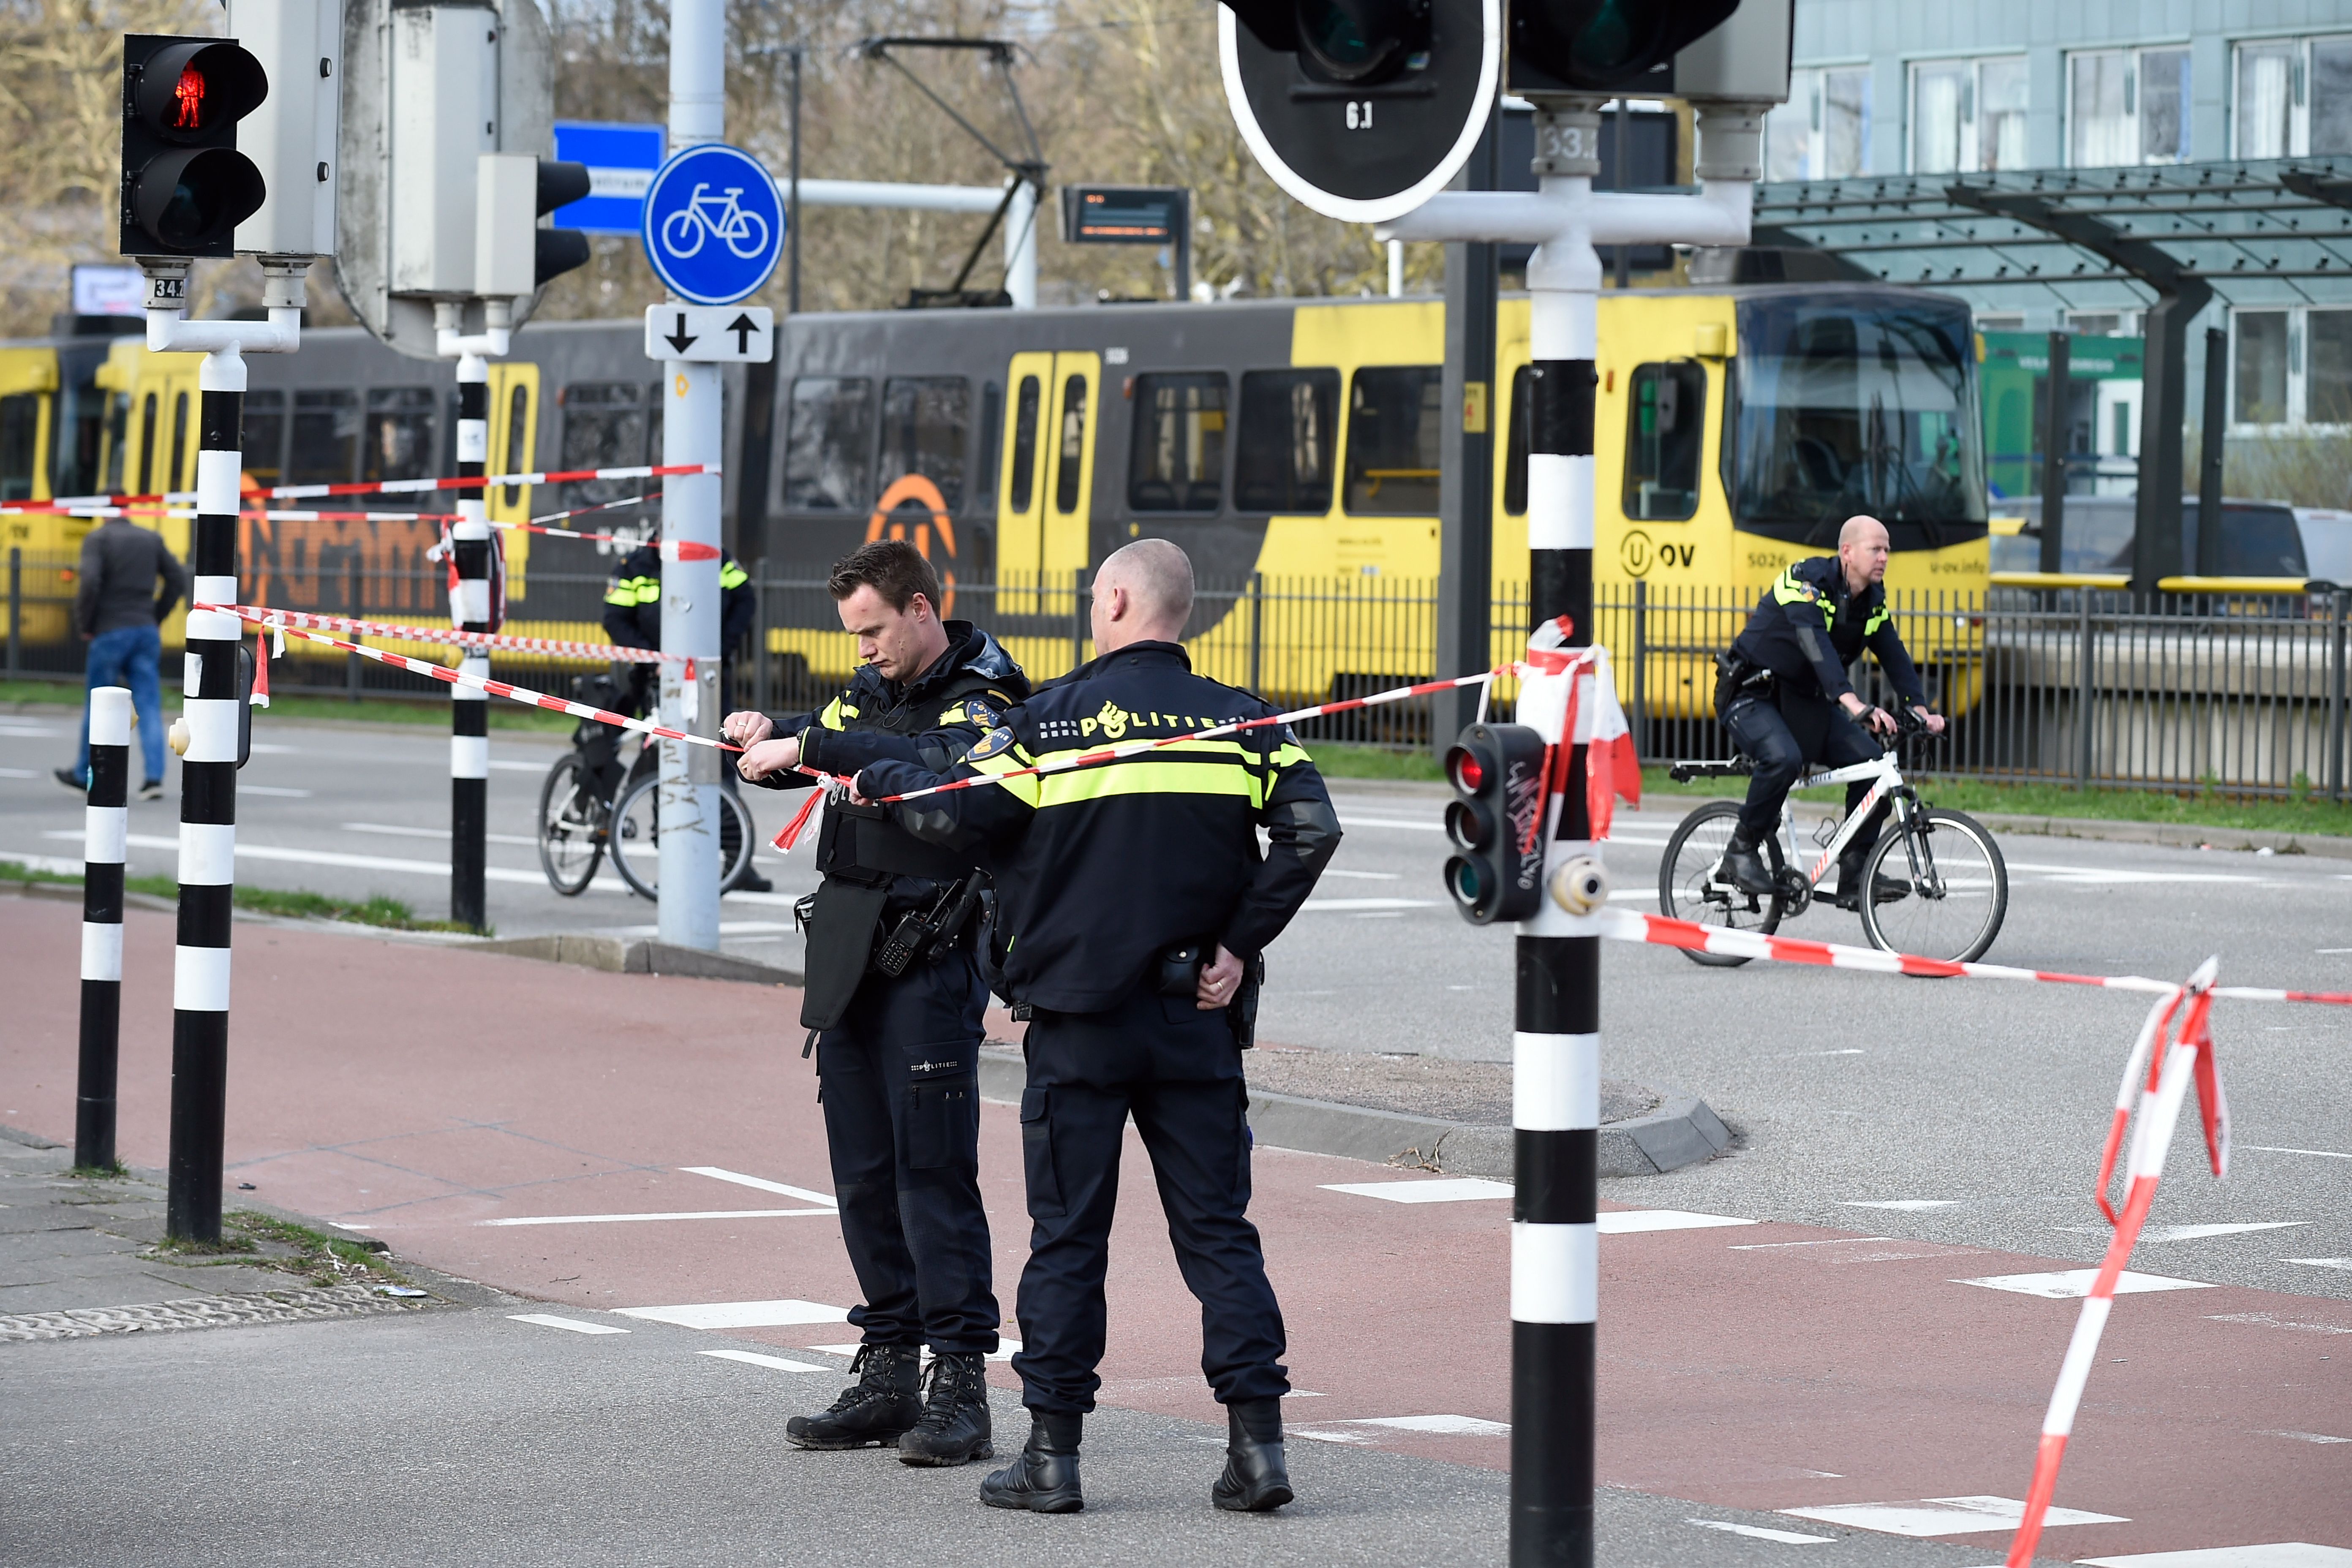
[{"x": 117, "y": 609}]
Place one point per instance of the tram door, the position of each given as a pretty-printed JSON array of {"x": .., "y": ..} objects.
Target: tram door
[
  {"x": 1047, "y": 491},
  {"x": 514, "y": 450},
  {"x": 27, "y": 379}
]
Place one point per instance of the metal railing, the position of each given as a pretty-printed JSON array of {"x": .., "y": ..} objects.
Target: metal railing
[{"x": 2242, "y": 694}]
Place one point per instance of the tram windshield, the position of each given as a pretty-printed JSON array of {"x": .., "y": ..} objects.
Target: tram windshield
[{"x": 1857, "y": 404}]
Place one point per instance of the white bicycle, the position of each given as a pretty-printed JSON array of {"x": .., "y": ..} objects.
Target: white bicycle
[
  {"x": 1938, "y": 887},
  {"x": 685, "y": 230}
]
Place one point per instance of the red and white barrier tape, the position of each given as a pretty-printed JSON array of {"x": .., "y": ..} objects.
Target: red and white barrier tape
[
  {"x": 2189, "y": 1058},
  {"x": 277, "y": 514},
  {"x": 390, "y": 486},
  {"x": 289, "y": 620},
  {"x": 522, "y": 694}
]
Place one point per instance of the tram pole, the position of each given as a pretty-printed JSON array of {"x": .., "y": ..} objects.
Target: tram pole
[
  {"x": 687, "y": 804},
  {"x": 105, "y": 837}
]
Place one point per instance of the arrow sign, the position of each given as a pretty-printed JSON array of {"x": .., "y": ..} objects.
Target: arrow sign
[{"x": 711, "y": 334}]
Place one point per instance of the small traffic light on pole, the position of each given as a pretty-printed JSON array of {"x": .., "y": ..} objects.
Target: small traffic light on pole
[
  {"x": 1603, "y": 46},
  {"x": 1495, "y": 823},
  {"x": 185, "y": 187},
  {"x": 512, "y": 191},
  {"x": 556, "y": 251}
]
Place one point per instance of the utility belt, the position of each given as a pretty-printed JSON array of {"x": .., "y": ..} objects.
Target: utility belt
[
  {"x": 1179, "y": 975},
  {"x": 1737, "y": 679},
  {"x": 851, "y": 933}
]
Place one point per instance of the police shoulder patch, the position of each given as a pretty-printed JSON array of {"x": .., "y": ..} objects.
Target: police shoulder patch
[
  {"x": 977, "y": 713},
  {"x": 995, "y": 741}
]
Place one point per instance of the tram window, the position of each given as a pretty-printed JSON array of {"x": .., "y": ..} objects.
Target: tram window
[
  {"x": 1665, "y": 412},
  {"x": 264, "y": 441},
  {"x": 78, "y": 425},
  {"x": 1177, "y": 461},
  {"x": 518, "y": 438},
  {"x": 326, "y": 445},
  {"x": 20, "y": 439},
  {"x": 118, "y": 446},
  {"x": 1070, "y": 460},
  {"x": 147, "y": 444},
  {"x": 828, "y": 438},
  {"x": 604, "y": 427},
  {"x": 991, "y": 440},
  {"x": 399, "y": 434},
  {"x": 1394, "y": 431},
  {"x": 926, "y": 423},
  {"x": 1024, "y": 442},
  {"x": 1288, "y": 435},
  {"x": 1515, "y": 450},
  {"x": 179, "y": 474}
]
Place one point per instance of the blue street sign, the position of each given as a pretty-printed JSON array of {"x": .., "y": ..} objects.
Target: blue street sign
[
  {"x": 621, "y": 162},
  {"x": 713, "y": 226}
]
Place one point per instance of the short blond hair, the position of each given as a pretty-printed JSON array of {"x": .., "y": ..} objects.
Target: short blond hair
[{"x": 1158, "y": 573}]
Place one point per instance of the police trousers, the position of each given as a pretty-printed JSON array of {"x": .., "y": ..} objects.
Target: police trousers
[
  {"x": 1177, "y": 1071},
  {"x": 899, "y": 1082},
  {"x": 1779, "y": 737}
]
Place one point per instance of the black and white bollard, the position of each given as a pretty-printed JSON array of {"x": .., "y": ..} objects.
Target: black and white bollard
[
  {"x": 207, "y": 816},
  {"x": 105, "y": 837},
  {"x": 469, "y": 610}
]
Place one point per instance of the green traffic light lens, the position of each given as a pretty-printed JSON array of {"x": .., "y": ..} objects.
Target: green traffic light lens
[
  {"x": 1465, "y": 879},
  {"x": 1610, "y": 39},
  {"x": 1363, "y": 42}
]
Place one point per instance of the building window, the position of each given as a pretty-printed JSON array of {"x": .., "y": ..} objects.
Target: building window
[
  {"x": 1822, "y": 132},
  {"x": 2126, "y": 107},
  {"x": 2291, "y": 367},
  {"x": 2258, "y": 367},
  {"x": 1177, "y": 460},
  {"x": 1968, "y": 116},
  {"x": 2293, "y": 97},
  {"x": 2327, "y": 367}
]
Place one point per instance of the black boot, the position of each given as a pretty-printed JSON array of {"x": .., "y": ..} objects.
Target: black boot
[
  {"x": 1743, "y": 868},
  {"x": 879, "y": 1409},
  {"x": 1044, "y": 1477},
  {"x": 1883, "y": 890},
  {"x": 1255, "y": 1479},
  {"x": 955, "y": 1426}
]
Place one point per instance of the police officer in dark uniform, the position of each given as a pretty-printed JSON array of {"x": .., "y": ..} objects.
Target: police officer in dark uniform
[
  {"x": 1786, "y": 699},
  {"x": 1134, "y": 906},
  {"x": 894, "y": 1003},
  {"x": 632, "y": 619}
]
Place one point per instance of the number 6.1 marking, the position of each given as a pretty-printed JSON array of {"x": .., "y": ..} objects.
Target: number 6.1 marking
[{"x": 1360, "y": 116}]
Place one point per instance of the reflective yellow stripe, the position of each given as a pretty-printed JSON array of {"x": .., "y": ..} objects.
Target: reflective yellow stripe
[
  {"x": 831, "y": 717},
  {"x": 1289, "y": 755},
  {"x": 1141, "y": 777},
  {"x": 648, "y": 590},
  {"x": 626, "y": 591},
  {"x": 622, "y": 593},
  {"x": 1788, "y": 590},
  {"x": 1878, "y": 617},
  {"x": 731, "y": 575},
  {"x": 1011, "y": 760}
]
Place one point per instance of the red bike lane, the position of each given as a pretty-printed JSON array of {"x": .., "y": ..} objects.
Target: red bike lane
[{"x": 432, "y": 1097}]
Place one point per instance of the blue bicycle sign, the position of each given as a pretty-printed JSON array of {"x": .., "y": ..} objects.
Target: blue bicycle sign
[{"x": 713, "y": 224}]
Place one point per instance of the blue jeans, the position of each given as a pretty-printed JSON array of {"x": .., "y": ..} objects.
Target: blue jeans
[{"x": 129, "y": 655}]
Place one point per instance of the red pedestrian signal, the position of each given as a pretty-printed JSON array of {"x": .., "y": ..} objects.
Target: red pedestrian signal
[
  {"x": 1495, "y": 823},
  {"x": 185, "y": 187}
]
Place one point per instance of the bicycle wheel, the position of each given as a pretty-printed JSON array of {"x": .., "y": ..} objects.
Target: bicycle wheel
[
  {"x": 571, "y": 827},
  {"x": 635, "y": 839},
  {"x": 753, "y": 230},
  {"x": 1689, "y": 889},
  {"x": 687, "y": 221},
  {"x": 1956, "y": 888}
]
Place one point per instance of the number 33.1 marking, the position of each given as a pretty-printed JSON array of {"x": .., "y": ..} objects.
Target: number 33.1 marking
[{"x": 1360, "y": 116}]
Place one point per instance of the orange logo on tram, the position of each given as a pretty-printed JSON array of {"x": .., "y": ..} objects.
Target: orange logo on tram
[{"x": 918, "y": 491}]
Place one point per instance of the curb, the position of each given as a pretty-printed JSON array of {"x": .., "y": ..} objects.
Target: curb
[
  {"x": 613, "y": 956},
  {"x": 1681, "y": 1132}
]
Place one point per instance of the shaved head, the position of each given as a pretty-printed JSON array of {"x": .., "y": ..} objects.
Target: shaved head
[
  {"x": 1858, "y": 527},
  {"x": 1862, "y": 549},
  {"x": 1143, "y": 593}
]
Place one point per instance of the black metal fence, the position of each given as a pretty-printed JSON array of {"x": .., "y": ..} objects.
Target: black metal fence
[{"x": 2241, "y": 694}]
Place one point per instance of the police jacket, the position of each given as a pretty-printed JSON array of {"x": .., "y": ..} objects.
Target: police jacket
[
  {"x": 1808, "y": 627},
  {"x": 1100, "y": 869},
  {"x": 633, "y": 600}
]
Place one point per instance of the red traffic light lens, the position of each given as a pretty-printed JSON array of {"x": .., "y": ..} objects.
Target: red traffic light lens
[
  {"x": 1467, "y": 769},
  {"x": 196, "y": 88},
  {"x": 189, "y": 93}
]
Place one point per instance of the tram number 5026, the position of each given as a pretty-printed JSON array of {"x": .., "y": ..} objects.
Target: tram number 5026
[{"x": 1359, "y": 115}]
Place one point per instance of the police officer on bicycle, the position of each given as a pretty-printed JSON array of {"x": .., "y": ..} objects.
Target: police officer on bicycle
[
  {"x": 1135, "y": 905},
  {"x": 1784, "y": 696},
  {"x": 894, "y": 1003}
]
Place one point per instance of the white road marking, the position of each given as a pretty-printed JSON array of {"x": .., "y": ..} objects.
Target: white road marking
[
  {"x": 1944, "y": 1515},
  {"x": 786, "y": 1313},
  {"x": 19, "y": 773},
  {"x": 753, "y": 1358},
  {"x": 2073, "y": 1284},
  {"x": 1006, "y": 1347},
  {"x": 1906, "y": 1205},
  {"x": 1416, "y": 824},
  {"x": 1446, "y": 1426},
  {"x": 2322, "y": 1154},
  {"x": 519, "y": 767},
  {"x": 2308, "y": 1437},
  {"x": 550, "y": 1320},
  {"x": 1629, "y": 1222},
  {"x": 56, "y": 863},
  {"x": 1463, "y": 1189},
  {"x": 389, "y": 830},
  {"x": 1327, "y": 871},
  {"x": 1786, "y": 1537},
  {"x": 278, "y": 790},
  {"x": 2092, "y": 874},
  {"x": 2273, "y": 1320},
  {"x": 765, "y": 1185},
  {"x": 330, "y": 857},
  {"x": 2275, "y": 1554},
  {"x": 2323, "y": 1262},
  {"x": 698, "y": 1213},
  {"x": 1770, "y": 1246},
  {"x": 266, "y": 749},
  {"x": 1354, "y": 906},
  {"x": 28, "y": 733},
  {"x": 2318, "y": 949},
  {"x": 2198, "y": 1232},
  {"x": 1843, "y": 1051}
]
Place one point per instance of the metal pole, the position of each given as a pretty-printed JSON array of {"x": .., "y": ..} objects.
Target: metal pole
[
  {"x": 15, "y": 610},
  {"x": 1078, "y": 623},
  {"x": 2083, "y": 691},
  {"x": 469, "y": 610},
  {"x": 207, "y": 867},
  {"x": 688, "y": 806},
  {"x": 1641, "y": 725},
  {"x": 2337, "y": 603},
  {"x": 792, "y": 226},
  {"x": 105, "y": 832},
  {"x": 2209, "y": 457},
  {"x": 2057, "y": 432},
  {"x": 1466, "y": 482},
  {"x": 1556, "y": 1054},
  {"x": 1183, "y": 257},
  {"x": 1621, "y": 260},
  {"x": 358, "y": 609},
  {"x": 1257, "y": 634}
]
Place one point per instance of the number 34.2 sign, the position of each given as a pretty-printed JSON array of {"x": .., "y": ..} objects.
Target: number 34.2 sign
[{"x": 713, "y": 224}]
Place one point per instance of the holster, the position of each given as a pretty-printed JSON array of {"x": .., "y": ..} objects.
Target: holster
[
  {"x": 1735, "y": 677},
  {"x": 840, "y": 940}
]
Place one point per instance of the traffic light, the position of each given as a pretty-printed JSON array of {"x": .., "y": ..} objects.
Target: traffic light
[
  {"x": 1495, "y": 823},
  {"x": 1600, "y": 45},
  {"x": 185, "y": 187},
  {"x": 291, "y": 139},
  {"x": 1361, "y": 109},
  {"x": 512, "y": 191}
]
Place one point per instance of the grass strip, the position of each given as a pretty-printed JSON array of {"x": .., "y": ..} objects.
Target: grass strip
[
  {"x": 376, "y": 910},
  {"x": 265, "y": 1241}
]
